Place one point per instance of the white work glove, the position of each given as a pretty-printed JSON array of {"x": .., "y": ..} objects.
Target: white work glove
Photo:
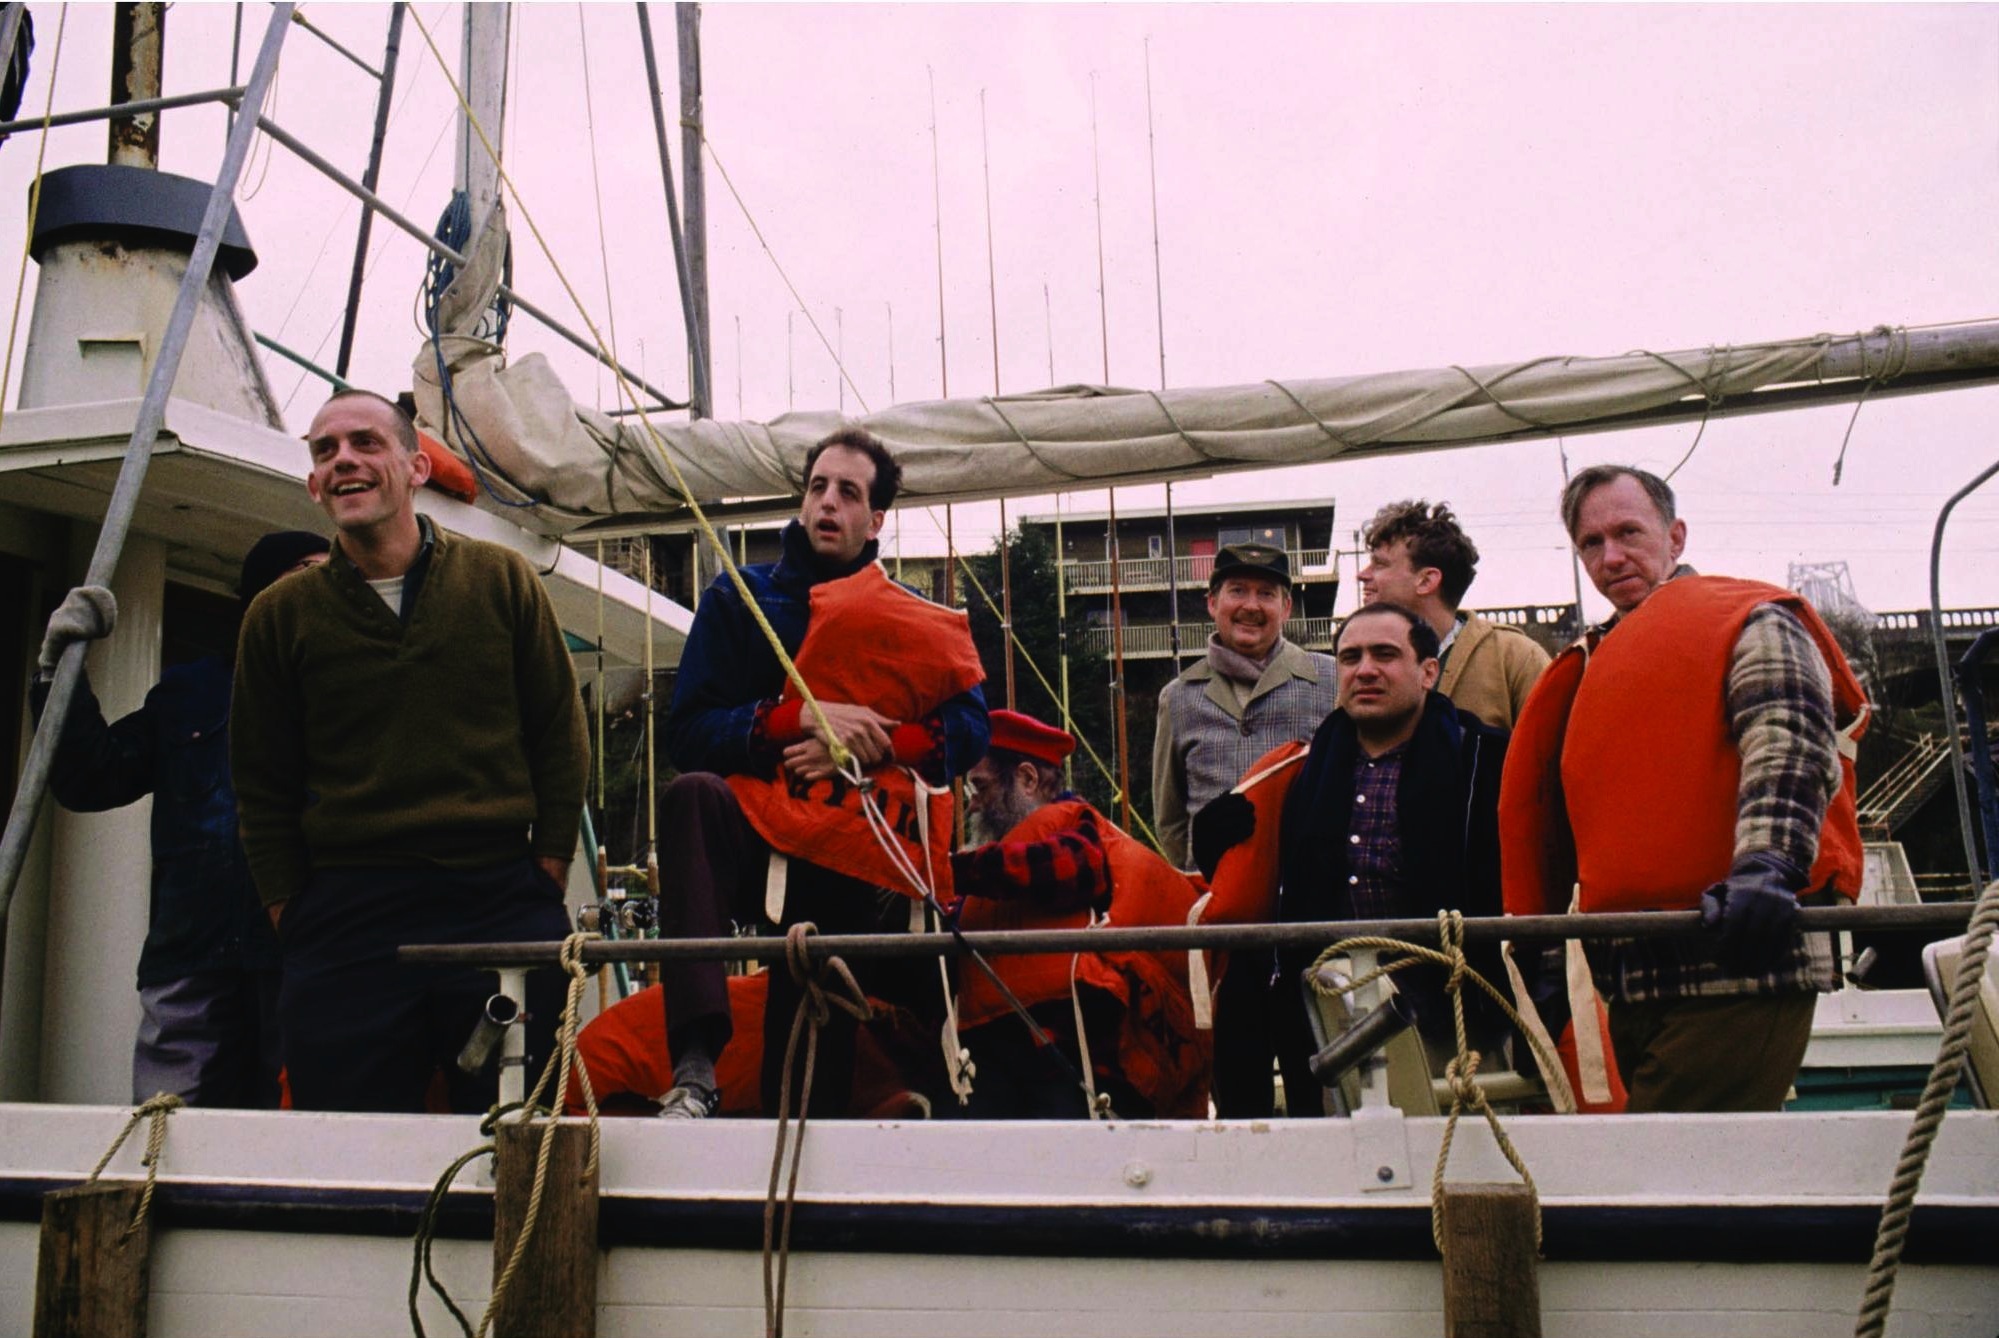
[{"x": 86, "y": 613}]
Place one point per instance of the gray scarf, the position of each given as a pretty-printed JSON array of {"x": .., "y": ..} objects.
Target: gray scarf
[{"x": 1236, "y": 666}]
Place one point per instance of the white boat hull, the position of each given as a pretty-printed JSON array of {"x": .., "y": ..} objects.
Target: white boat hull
[{"x": 301, "y": 1223}]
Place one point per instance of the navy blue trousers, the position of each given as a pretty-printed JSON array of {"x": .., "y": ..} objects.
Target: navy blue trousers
[{"x": 364, "y": 1033}]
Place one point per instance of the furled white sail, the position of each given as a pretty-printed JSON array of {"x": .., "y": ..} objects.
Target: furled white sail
[{"x": 582, "y": 466}]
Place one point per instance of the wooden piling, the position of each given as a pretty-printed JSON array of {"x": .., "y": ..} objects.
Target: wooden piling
[
  {"x": 93, "y": 1280},
  {"x": 1491, "y": 1289},
  {"x": 553, "y": 1293}
]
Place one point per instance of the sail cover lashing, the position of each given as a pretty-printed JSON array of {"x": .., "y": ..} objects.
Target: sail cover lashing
[{"x": 537, "y": 444}]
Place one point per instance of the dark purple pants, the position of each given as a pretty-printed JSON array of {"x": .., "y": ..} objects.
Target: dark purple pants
[{"x": 713, "y": 870}]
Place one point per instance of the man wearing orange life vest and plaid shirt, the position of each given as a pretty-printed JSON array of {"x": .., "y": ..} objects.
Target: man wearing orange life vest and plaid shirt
[{"x": 1688, "y": 756}]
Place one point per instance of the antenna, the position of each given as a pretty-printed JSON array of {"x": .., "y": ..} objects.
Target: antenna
[
  {"x": 1048, "y": 316},
  {"x": 1097, "y": 172},
  {"x": 1111, "y": 538},
  {"x": 1159, "y": 300},
  {"x": 992, "y": 300}
]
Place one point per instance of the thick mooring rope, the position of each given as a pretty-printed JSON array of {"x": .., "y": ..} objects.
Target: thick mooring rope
[
  {"x": 559, "y": 1065},
  {"x": 1462, "y": 1071},
  {"x": 1900, "y": 1206},
  {"x": 156, "y": 1108},
  {"x": 823, "y": 987}
]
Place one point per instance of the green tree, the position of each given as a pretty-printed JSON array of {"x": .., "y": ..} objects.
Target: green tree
[{"x": 1040, "y": 632}]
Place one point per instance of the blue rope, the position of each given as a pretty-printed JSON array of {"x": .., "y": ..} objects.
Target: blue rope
[{"x": 454, "y": 229}]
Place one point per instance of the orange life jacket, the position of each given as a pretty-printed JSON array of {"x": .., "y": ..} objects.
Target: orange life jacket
[
  {"x": 624, "y": 1047},
  {"x": 872, "y": 643},
  {"x": 1244, "y": 888},
  {"x": 1624, "y": 778},
  {"x": 449, "y": 474},
  {"x": 1159, "y": 1051}
]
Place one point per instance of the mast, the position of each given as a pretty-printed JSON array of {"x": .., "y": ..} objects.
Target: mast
[
  {"x": 482, "y": 73},
  {"x": 370, "y": 178},
  {"x": 1062, "y": 640},
  {"x": 1110, "y": 536},
  {"x": 992, "y": 300},
  {"x": 138, "y": 48},
  {"x": 694, "y": 189},
  {"x": 699, "y": 363},
  {"x": 943, "y": 351},
  {"x": 840, "y": 356},
  {"x": 1159, "y": 300},
  {"x": 891, "y": 363}
]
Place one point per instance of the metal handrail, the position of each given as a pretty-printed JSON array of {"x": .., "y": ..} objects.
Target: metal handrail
[
  {"x": 1145, "y": 639},
  {"x": 1941, "y": 649},
  {"x": 1187, "y": 570},
  {"x": 1946, "y": 917},
  {"x": 136, "y": 107}
]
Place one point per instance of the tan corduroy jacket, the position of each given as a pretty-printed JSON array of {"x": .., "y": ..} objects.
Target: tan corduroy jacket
[{"x": 1490, "y": 670}]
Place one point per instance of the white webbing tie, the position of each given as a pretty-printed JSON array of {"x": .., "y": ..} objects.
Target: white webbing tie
[
  {"x": 1586, "y": 1016},
  {"x": 1083, "y": 1033},
  {"x": 1847, "y": 740},
  {"x": 1202, "y": 996},
  {"x": 776, "y": 873},
  {"x": 1559, "y": 1092}
]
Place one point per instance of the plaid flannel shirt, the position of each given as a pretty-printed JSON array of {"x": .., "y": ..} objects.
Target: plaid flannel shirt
[
  {"x": 1779, "y": 700},
  {"x": 1374, "y": 866}
]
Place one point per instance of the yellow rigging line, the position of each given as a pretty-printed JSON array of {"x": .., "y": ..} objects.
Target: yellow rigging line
[{"x": 34, "y": 205}]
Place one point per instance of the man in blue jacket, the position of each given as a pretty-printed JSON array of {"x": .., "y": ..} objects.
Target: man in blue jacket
[
  {"x": 208, "y": 973},
  {"x": 726, "y": 719}
]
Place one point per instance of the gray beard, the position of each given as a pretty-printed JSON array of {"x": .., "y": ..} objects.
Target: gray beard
[{"x": 994, "y": 820}]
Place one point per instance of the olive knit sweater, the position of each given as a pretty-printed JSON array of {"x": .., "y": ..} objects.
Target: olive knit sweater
[{"x": 442, "y": 738}]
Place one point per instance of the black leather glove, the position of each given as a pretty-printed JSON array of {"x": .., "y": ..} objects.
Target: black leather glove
[
  {"x": 1755, "y": 912},
  {"x": 1224, "y": 824}
]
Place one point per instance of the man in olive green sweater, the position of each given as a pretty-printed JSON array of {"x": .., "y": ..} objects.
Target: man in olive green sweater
[{"x": 409, "y": 756}]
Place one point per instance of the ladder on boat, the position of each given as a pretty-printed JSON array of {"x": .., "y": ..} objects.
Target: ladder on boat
[{"x": 1903, "y": 788}]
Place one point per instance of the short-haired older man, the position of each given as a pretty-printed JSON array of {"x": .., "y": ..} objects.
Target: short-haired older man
[
  {"x": 731, "y": 718},
  {"x": 1394, "y": 816},
  {"x": 1252, "y": 691},
  {"x": 1688, "y": 755},
  {"x": 1421, "y": 558},
  {"x": 409, "y": 755}
]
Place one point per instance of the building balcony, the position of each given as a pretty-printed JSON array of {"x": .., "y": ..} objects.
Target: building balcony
[
  {"x": 1154, "y": 641},
  {"x": 1094, "y": 578}
]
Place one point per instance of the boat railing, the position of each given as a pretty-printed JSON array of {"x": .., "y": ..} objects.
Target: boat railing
[{"x": 1942, "y": 917}]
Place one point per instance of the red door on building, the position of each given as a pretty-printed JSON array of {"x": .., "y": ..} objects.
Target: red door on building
[{"x": 1203, "y": 553}]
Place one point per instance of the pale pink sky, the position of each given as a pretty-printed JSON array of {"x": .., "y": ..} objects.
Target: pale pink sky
[{"x": 1342, "y": 189}]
